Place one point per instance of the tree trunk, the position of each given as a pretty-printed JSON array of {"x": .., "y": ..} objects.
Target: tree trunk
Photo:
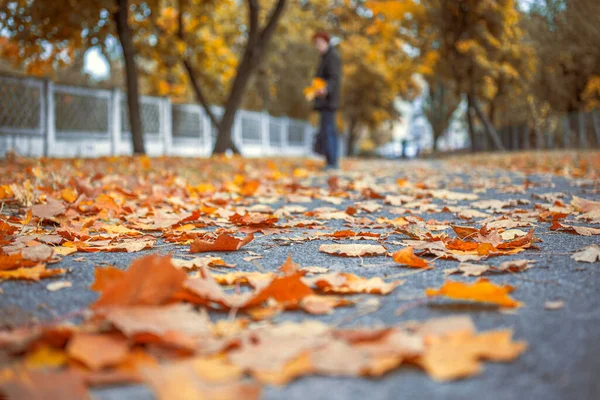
[
  {"x": 131, "y": 76},
  {"x": 256, "y": 47},
  {"x": 491, "y": 131},
  {"x": 471, "y": 125}
]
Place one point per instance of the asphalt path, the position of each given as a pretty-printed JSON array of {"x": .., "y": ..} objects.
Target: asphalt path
[{"x": 563, "y": 357}]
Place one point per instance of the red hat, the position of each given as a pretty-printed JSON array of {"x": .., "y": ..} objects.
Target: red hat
[{"x": 321, "y": 35}]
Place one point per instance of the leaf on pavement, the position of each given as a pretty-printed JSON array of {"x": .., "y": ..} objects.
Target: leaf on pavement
[
  {"x": 32, "y": 273},
  {"x": 14, "y": 261},
  {"x": 38, "y": 253},
  {"x": 58, "y": 285},
  {"x": 223, "y": 242},
  {"x": 159, "y": 320},
  {"x": 24, "y": 384},
  {"x": 353, "y": 250},
  {"x": 150, "y": 280},
  {"x": 406, "y": 256},
  {"x": 344, "y": 283},
  {"x": 186, "y": 380},
  {"x": 481, "y": 291},
  {"x": 459, "y": 355},
  {"x": 589, "y": 254},
  {"x": 97, "y": 351},
  {"x": 467, "y": 269},
  {"x": 51, "y": 209},
  {"x": 554, "y": 305}
]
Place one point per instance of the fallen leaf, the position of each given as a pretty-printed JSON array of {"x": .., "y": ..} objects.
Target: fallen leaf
[
  {"x": 406, "y": 256},
  {"x": 58, "y": 285},
  {"x": 32, "y": 274},
  {"x": 150, "y": 280},
  {"x": 223, "y": 242},
  {"x": 459, "y": 355},
  {"x": 159, "y": 320},
  {"x": 353, "y": 250},
  {"x": 51, "y": 209},
  {"x": 37, "y": 253},
  {"x": 481, "y": 291},
  {"x": 467, "y": 269},
  {"x": 554, "y": 305},
  {"x": 43, "y": 385},
  {"x": 587, "y": 254},
  {"x": 97, "y": 351}
]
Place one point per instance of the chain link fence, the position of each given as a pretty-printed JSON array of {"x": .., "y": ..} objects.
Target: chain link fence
[{"x": 38, "y": 117}]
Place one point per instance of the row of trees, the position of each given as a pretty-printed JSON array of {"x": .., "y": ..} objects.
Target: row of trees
[{"x": 511, "y": 66}]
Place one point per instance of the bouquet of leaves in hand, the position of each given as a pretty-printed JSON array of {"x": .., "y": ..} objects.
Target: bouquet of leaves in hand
[{"x": 316, "y": 87}]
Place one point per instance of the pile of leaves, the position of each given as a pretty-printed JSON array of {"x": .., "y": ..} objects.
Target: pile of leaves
[{"x": 197, "y": 325}]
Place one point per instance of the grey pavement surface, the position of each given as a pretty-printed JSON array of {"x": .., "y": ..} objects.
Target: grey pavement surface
[{"x": 562, "y": 361}]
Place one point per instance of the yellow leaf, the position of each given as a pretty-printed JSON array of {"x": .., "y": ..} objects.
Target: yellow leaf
[
  {"x": 45, "y": 357},
  {"x": 481, "y": 291}
]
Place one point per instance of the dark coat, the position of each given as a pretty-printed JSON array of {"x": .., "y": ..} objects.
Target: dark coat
[{"x": 330, "y": 70}]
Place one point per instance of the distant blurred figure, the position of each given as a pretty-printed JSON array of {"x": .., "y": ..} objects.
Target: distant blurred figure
[{"x": 327, "y": 100}]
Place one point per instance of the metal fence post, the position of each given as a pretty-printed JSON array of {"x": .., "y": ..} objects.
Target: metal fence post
[
  {"x": 167, "y": 125},
  {"x": 237, "y": 132},
  {"x": 566, "y": 132},
  {"x": 206, "y": 131},
  {"x": 50, "y": 123},
  {"x": 264, "y": 133},
  {"x": 581, "y": 129},
  {"x": 308, "y": 138},
  {"x": 115, "y": 121},
  {"x": 285, "y": 129},
  {"x": 596, "y": 123}
]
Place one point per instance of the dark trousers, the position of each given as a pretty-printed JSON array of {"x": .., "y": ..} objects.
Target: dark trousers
[{"x": 330, "y": 138}]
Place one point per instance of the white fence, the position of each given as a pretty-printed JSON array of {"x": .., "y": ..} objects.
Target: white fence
[{"x": 38, "y": 117}]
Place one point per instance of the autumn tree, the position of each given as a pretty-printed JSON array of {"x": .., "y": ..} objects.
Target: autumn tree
[
  {"x": 188, "y": 37},
  {"x": 44, "y": 38}
]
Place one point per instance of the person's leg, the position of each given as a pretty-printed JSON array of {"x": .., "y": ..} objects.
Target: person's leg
[
  {"x": 328, "y": 136},
  {"x": 335, "y": 148}
]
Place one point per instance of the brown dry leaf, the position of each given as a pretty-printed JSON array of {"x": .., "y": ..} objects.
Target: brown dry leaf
[
  {"x": 253, "y": 219},
  {"x": 254, "y": 279},
  {"x": 37, "y": 253},
  {"x": 223, "y": 242},
  {"x": 459, "y": 355},
  {"x": 150, "y": 280},
  {"x": 97, "y": 351},
  {"x": 554, "y": 304},
  {"x": 353, "y": 250},
  {"x": 584, "y": 205},
  {"x": 43, "y": 385},
  {"x": 159, "y": 320},
  {"x": 589, "y": 254},
  {"x": 32, "y": 274},
  {"x": 350, "y": 283},
  {"x": 106, "y": 276},
  {"x": 468, "y": 269},
  {"x": 320, "y": 305},
  {"x": 287, "y": 291},
  {"x": 200, "y": 262},
  {"x": 481, "y": 291},
  {"x": 184, "y": 380},
  {"x": 14, "y": 261},
  {"x": 406, "y": 256},
  {"x": 58, "y": 285},
  {"x": 515, "y": 266},
  {"x": 51, "y": 209}
]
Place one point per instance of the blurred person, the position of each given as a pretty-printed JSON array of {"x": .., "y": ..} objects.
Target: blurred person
[{"x": 327, "y": 100}]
